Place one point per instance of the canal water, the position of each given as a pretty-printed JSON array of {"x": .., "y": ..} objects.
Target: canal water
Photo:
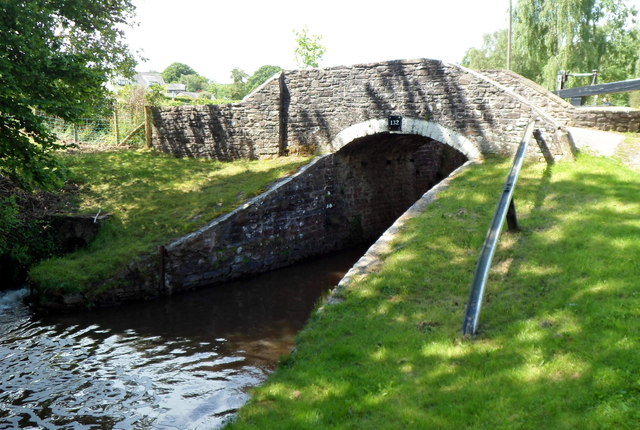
[{"x": 184, "y": 362}]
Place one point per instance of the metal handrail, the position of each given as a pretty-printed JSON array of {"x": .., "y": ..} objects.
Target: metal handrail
[{"x": 505, "y": 204}]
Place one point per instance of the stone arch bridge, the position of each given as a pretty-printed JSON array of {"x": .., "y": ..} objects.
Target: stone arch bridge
[
  {"x": 322, "y": 110},
  {"x": 390, "y": 132}
]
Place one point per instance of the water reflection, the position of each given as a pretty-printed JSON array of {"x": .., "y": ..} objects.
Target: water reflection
[{"x": 179, "y": 363}]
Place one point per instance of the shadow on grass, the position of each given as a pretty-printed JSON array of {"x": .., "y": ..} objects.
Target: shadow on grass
[{"x": 559, "y": 330}]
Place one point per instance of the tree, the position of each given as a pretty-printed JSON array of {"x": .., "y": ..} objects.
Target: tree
[
  {"x": 55, "y": 57},
  {"x": 261, "y": 76},
  {"x": 175, "y": 71},
  {"x": 238, "y": 90},
  {"x": 220, "y": 91},
  {"x": 574, "y": 35},
  {"x": 195, "y": 82},
  {"x": 309, "y": 51},
  {"x": 492, "y": 54}
]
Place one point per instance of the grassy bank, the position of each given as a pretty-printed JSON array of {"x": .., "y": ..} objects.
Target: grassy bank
[
  {"x": 559, "y": 341},
  {"x": 153, "y": 198}
]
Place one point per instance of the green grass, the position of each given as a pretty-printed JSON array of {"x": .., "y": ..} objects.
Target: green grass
[
  {"x": 559, "y": 332},
  {"x": 153, "y": 198},
  {"x": 629, "y": 150}
]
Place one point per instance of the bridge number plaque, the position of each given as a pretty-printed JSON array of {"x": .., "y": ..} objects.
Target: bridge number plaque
[{"x": 395, "y": 123}]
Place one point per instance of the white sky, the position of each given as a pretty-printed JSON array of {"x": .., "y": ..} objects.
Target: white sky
[{"x": 214, "y": 36}]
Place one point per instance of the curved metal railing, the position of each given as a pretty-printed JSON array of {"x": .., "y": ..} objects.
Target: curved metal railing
[{"x": 506, "y": 209}]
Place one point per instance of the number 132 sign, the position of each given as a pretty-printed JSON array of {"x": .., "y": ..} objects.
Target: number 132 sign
[{"x": 395, "y": 123}]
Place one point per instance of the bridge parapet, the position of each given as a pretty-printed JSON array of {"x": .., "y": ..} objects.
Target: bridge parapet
[
  {"x": 306, "y": 110},
  {"x": 600, "y": 118}
]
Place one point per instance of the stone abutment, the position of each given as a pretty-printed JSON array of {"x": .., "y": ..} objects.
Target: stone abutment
[{"x": 338, "y": 200}]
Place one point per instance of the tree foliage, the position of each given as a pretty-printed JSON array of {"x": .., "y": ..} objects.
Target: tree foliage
[
  {"x": 309, "y": 51},
  {"x": 54, "y": 58},
  {"x": 568, "y": 35},
  {"x": 242, "y": 84},
  {"x": 237, "y": 88},
  {"x": 194, "y": 82},
  {"x": 220, "y": 91},
  {"x": 573, "y": 35},
  {"x": 175, "y": 71},
  {"x": 492, "y": 54},
  {"x": 260, "y": 76}
]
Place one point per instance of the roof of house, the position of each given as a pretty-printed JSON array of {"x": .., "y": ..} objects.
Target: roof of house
[
  {"x": 187, "y": 94},
  {"x": 176, "y": 87},
  {"x": 146, "y": 79}
]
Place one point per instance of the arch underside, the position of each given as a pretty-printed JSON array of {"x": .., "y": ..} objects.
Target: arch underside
[{"x": 410, "y": 126}]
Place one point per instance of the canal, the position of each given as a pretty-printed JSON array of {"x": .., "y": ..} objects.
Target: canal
[{"x": 184, "y": 362}]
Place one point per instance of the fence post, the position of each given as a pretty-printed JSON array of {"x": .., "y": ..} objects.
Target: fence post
[
  {"x": 147, "y": 125},
  {"x": 115, "y": 123}
]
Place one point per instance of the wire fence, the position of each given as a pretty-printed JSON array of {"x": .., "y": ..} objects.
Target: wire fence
[{"x": 119, "y": 128}]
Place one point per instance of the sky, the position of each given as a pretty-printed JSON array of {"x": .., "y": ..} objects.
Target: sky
[{"x": 215, "y": 36}]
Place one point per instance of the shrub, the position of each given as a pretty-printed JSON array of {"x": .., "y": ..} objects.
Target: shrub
[{"x": 25, "y": 237}]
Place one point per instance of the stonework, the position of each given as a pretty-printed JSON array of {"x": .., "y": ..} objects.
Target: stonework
[
  {"x": 341, "y": 199},
  {"x": 603, "y": 118},
  {"x": 369, "y": 176},
  {"x": 309, "y": 109},
  {"x": 621, "y": 120}
]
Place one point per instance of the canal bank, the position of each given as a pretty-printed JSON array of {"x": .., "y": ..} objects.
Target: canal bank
[
  {"x": 152, "y": 198},
  {"x": 557, "y": 343},
  {"x": 337, "y": 201},
  {"x": 182, "y": 362}
]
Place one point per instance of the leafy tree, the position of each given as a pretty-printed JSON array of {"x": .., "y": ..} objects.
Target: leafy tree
[
  {"x": 309, "y": 51},
  {"x": 238, "y": 87},
  {"x": 175, "y": 71},
  {"x": 261, "y": 76},
  {"x": 220, "y": 91},
  {"x": 492, "y": 54},
  {"x": 156, "y": 95},
  {"x": 574, "y": 35},
  {"x": 195, "y": 82},
  {"x": 131, "y": 98},
  {"x": 55, "y": 56}
]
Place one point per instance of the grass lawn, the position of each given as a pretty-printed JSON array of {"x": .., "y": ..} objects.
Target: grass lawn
[
  {"x": 559, "y": 337},
  {"x": 629, "y": 150},
  {"x": 153, "y": 198}
]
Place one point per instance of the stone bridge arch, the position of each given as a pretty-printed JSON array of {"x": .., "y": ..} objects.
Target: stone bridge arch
[
  {"x": 305, "y": 110},
  {"x": 410, "y": 126}
]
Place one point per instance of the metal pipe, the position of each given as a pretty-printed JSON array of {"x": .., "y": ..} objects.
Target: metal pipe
[
  {"x": 472, "y": 315},
  {"x": 510, "y": 35}
]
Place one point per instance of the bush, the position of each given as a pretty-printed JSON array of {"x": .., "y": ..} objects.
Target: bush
[{"x": 25, "y": 236}]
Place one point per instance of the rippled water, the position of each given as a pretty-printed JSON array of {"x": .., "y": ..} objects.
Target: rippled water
[{"x": 179, "y": 363}]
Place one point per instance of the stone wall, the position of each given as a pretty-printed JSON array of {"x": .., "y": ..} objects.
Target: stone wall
[
  {"x": 250, "y": 129},
  {"x": 338, "y": 200},
  {"x": 608, "y": 119},
  {"x": 544, "y": 99},
  {"x": 602, "y": 118},
  {"x": 307, "y": 109}
]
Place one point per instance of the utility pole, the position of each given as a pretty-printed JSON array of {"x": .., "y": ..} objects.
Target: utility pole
[{"x": 510, "y": 35}]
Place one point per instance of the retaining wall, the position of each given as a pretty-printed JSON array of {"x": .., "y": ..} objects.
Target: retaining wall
[{"x": 338, "y": 200}]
